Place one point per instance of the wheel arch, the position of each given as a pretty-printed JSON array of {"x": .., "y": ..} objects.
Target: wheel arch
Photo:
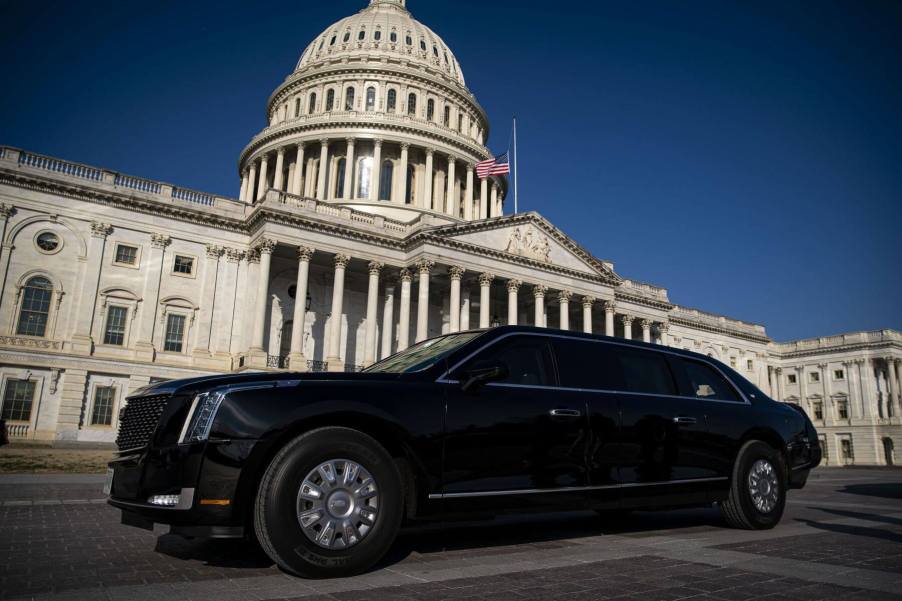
[{"x": 768, "y": 436}]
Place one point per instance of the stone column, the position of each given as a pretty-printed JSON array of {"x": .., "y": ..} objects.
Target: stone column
[
  {"x": 457, "y": 274},
  {"x": 662, "y": 333},
  {"x": 334, "y": 361},
  {"x": 203, "y": 332},
  {"x": 424, "y": 267},
  {"x": 266, "y": 248},
  {"x": 588, "y": 302},
  {"x": 242, "y": 196},
  {"x": 803, "y": 387},
  {"x": 866, "y": 377},
  {"x": 465, "y": 309},
  {"x": 297, "y": 360},
  {"x": 388, "y": 316},
  {"x": 778, "y": 390},
  {"x": 563, "y": 299},
  {"x": 854, "y": 395},
  {"x": 892, "y": 375},
  {"x": 350, "y": 167},
  {"x": 451, "y": 198},
  {"x": 468, "y": 197},
  {"x": 484, "y": 199},
  {"x": 144, "y": 349},
  {"x": 539, "y": 291},
  {"x": 297, "y": 182},
  {"x": 404, "y": 316},
  {"x": 224, "y": 315},
  {"x": 82, "y": 342},
  {"x": 280, "y": 167},
  {"x": 646, "y": 330},
  {"x": 403, "y": 165},
  {"x": 825, "y": 383},
  {"x": 372, "y": 309},
  {"x": 494, "y": 204},
  {"x": 897, "y": 366},
  {"x": 627, "y": 321},
  {"x": 250, "y": 195},
  {"x": 427, "y": 192},
  {"x": 485, "y": 299},
  {"x": 376, "y": 178},
  {"x": 323, "y": 168},
  {"x": 610, "y": 308},
  {"x": 261, "y": 183},
  {"x": 513, "y": 287}
]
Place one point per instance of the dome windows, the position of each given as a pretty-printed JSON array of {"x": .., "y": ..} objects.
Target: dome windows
[
  {"x": 409, "y": 40},
  {"x": 362, "y": 35},
  {"x": 393, "y": 37},
  {"x": 347, "y": 37},
  {"x": 370, "y": 99},
  {"x": 297, "y": 108},
  {"x": 430, "y": 110},
  {"x": 349, "y": 99},
  {"x": 340, "y": 178},
  {"x": 412, "y": 105},
  {"x": 392, "y": 101},
  {"x": 435, "y": 50},
  {"x": 330, "y": 100},
  {"x": 378, "y": 35},
  {"x": 447, "y": 118},
  {"x": 322, "y": 43},
  {"x": 333, "y": 40},
  {"x": 422, "y": 44},
  {"x": 364, "y": 177},
  {"x": 312, "y": 105},
  {"x": 386, "y": 176}
]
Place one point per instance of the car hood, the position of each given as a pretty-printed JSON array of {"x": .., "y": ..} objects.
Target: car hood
[{"x": 193, "y": 385}]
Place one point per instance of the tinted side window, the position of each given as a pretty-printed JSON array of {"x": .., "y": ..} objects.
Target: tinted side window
[
  {"x": 646, "y": 372},
  {"x": 587, "y": 364},
  {"x": 708, "y": 384},
  {"x": 527, "y": 358}
]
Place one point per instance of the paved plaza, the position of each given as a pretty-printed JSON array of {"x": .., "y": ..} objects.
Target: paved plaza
[{"x": 841, "y": 538}]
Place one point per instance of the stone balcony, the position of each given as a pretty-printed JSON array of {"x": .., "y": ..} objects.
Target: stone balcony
[
  {"x": 841, "y": 341},
  {"x": 717, "y": 322}
]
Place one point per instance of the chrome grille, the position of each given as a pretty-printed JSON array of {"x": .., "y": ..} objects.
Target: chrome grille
[{"x": 139, "y": 420}]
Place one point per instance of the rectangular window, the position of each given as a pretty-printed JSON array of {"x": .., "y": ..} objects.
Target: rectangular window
[
  {"x": 733, "y": 362},
  {"x": 842, "y": 409},
  {"x": 126, "y": 255},
  {"x": 646, "y": 372},
  {"x": 791, "y": 378},
  {"x": 175, "y": 333},
  {"x": 839, "y": 374},
  {"x": 814, "y": 377},
  {"x": 102, "y": 415},
  {"x": 17, "y": 400},
  {"x": 749, "y": 365},
  {"x": 846, "y": 445},
  {"x": 183, "y": 265},
  {"x": 818, "y": 411},
  {"x": 115, "y": 326},
  {"x": 588, "y": 365},
  {"x": 708, "y": 384}
]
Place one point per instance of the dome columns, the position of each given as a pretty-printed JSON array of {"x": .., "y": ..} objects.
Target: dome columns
[
  {"x": 376, "y": 177},
  {"x": 427, "y": 190},
  {"x": 349, "y": 170}
]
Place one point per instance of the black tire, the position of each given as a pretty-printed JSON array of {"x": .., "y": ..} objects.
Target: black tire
[
  {"x": 739, "y": 509},
  {"x": 276, "y": 521}
]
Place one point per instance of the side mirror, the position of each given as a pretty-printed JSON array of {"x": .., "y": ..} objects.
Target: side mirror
[{"x": 483, "y": 373}]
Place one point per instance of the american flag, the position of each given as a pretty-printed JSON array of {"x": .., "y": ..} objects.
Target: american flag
[{"x": 496, "y": 166}]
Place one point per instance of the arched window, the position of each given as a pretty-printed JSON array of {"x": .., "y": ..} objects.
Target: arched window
[
  {"x": 364, "y": 177},
  {"x": 392, "y": 102},
  {"x": 430, "y": 110},
  {"x": 378, "y": 35},
  {"x": 460, "y": 122},
  {"x": 435, "y": 51},
  {"x": 385, "y": 180},
  {"x": 393, "y": 37},
  {"x": 340, "y": 179},
  {"x": 332, "y": 41},
  {"x": 447, "y": 118},
  {"x": 321, "y": 44},
  {"x": 411, "y": 180},
  {"x": 35, "y": 310},
  {"x": 312, "y": 105},
  {"x": 409, "y": 40},
  {"x": 362, "y": 35},
  {"x": 297, "y": 107},
  {"x": 349, "y": 99},
  {"x": 347, "y": 37},
  {"x": 412, "y": 105},
  {"x": 330, "y": 100},
  {"x": 422, "y": 44},
  {"x": 370, "y": 99}
]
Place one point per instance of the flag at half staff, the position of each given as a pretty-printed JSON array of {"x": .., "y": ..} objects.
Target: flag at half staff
[{"x": 495, "y": 166}]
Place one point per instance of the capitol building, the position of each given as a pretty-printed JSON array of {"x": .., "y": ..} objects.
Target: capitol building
[{"x": 359, "y": 227}]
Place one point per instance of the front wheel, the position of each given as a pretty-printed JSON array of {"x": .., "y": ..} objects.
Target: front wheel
[
  {"x": 758, "y": 489},
  {"x": 330, "y": 504}
]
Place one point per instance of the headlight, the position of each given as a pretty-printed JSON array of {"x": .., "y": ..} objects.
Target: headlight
[{"x": 200, "y": 417}]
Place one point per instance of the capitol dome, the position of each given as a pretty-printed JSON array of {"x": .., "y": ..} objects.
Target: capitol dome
[{"x": 376, "y": 115}]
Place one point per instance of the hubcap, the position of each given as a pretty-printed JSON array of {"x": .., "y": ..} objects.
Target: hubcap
[
  {"x": 764, "y": 488},
  {"x": 338, "y": 504}
]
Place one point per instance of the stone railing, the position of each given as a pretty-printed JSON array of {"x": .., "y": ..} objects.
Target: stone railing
[
  {"x": 36, "y": 161},
  {"x": 643, "y": 289},
  {"x": 830, "y": 342},
  {"x": 277, "y": 198},
  {"x": 136, "y": 183},
  {"x": 717, "y": 321},
  {"x": 17, "y": 430}
]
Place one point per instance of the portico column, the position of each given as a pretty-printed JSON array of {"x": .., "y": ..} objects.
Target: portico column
[
  {"x": 266, "y": 248},
  {"x": 451, "y": 198},
  {"x": 485, "y": 296},
  {"x": 404, "y": 317},
  {"x": 151, "y": 295},
  {"x": 610, "y": 308},
  {"x": 376, "y": 171},
  {"x": 350, "y": 165},
  {"x": 203, "y": 333},
  {"x": 494, "y": 204},
  {"x": 333, "y": 361},
  {"x": 242, "y": 196},
  {"x": 538, "y": 292},
  {"x": 457, "y": 274},
  {"x": 323, "y": 168},
  {"x": 563, "y": 299},
  {"x": 849, "y": 367},
  {"x": 465, "y": 309},
  {"x": 866, "y": 369},
  {"x": 261, "y": 183},
  {"x": 372, "y": 309},
  {"x": 296, "y": 359},
  {"x": 778, "y": 390},
  {"x": 803, "y": 387},
  {"x": 588, "y": 301},
  {"x": 484, "y": 199},
  {"x": 403, "y": 165},
  {"x": 646, "y": 330},
  {"x": 427, "y": 192},
  {"x": 897, "y": 366},
  {"x": 893, "y": 377},
  {"x": 388, "y": 317},
  {"x": 249, "y": 194},
  {"x": 280, "y": 165},
  {"x": 468, "y": 198},
  {"x": 662, "y": 333},
  {"x": 424, "y": 267},
  {"x": 513, "y": 287},
  {"x": 627, "y": 321},
  {"x": 298, "y": 171}
]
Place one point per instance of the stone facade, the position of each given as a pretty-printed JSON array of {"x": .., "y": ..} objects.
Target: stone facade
[{"x": 110, "y": 281}]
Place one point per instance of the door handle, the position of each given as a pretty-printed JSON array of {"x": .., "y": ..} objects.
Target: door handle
[
  {"x": 565, "y": 413},
  {"x": 681, "y": 420}
]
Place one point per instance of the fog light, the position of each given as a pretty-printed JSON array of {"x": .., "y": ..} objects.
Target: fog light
[{"x": 164, "y": 500}]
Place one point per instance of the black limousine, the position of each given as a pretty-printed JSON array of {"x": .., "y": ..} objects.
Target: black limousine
[{"x": 323, "y": 469}]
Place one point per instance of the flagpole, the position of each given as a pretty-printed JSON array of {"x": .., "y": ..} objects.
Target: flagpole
[{"x": 516, "y": 172}]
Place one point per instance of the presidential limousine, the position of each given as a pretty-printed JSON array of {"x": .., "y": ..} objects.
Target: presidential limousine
[{"x": 323, "y": 469}]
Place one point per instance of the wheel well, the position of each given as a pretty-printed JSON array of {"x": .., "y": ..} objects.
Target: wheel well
[{"x": 768, "y": 437}]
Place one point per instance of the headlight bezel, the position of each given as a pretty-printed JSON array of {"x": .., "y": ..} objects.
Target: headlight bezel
[{"x": 202, "y": 413}]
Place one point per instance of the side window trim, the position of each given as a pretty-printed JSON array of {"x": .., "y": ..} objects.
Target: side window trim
[{"x": 739, "y": 394}]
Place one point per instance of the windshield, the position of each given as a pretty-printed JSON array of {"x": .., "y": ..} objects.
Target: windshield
[{"x": 423, "y": 355}]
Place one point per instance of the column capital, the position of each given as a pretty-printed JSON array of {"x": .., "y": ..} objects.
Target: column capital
[
  {"x": 305, "y": 253},
  {"x": 351, "y": 141},
  {"x": 266, "y": 246},
  {"x": 485, "y": 279},
  {"x": 588, "y": 301},
  {"x": 375, "y": 267},
  {"x": 6, "y": 211},
  {"x": 214, "y": 252},
  {"x": 160, "y": 240},
  {"x": 822, "y": 365},
  {"x": 470, "y": 167},
  {"x": 234, "y": 255},
  {"x": 539, "y": 290},
  {"x": 324, "y": 141},
  {"x": 609, "y": 306},
  {"x": 253, "y": 255},
  {"x": 100, "y": 230},
  {"x": 564, "y": 296},
  {"x": 456, "y": 272},
  {"x": 430, "y": 151},
  {"x": 424, "y": 266},
  {"x": 341, "y": 261},
  {"x": 301, "y": 145},
  {"x": 778, "y": 370},
  {"x": 514, "y": 285},
  {"x": 405, "y": 145},
  {"x": 663, "y": 327},
  {"x": 627, "y": 320},
  {"x": 405, "y": 275},
  {"x": 645, "y": 324},
  {"x": 377, "y": 142},
  {"x": 281, "y": 150}
]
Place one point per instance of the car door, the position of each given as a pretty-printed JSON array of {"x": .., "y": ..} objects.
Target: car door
[
  {"x": 516, "y": 442},
  {"x": 663, "y": 443}
]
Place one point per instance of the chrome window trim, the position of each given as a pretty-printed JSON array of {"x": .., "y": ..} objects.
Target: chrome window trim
[
  {"x": 534, "y": 491},
  {"x": 443, "y": 379}
]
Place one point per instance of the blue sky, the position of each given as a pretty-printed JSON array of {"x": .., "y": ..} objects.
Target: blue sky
[{"x": 745, "y": 155}]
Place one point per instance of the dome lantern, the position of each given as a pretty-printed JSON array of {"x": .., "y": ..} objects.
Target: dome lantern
[{"x": 401, "y": 3}]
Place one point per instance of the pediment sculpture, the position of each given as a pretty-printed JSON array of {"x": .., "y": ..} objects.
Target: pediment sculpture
[{"x": 525, "y": 244}]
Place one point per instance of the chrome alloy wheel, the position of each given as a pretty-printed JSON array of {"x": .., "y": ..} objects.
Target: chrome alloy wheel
[
  {"x": 338, "y": 504},
  {"x": 764, "y": 486}
]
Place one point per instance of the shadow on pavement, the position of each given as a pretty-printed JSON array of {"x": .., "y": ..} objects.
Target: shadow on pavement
[
  {"x": 871, "y": 517},
  {"x": 887, "y": 490},
  {"x": 878, "y": 533}
]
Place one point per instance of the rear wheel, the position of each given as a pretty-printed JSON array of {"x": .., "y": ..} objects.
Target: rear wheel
[
  {"x": 330, "y": 504},
  {"x": 758, "y": 489}
]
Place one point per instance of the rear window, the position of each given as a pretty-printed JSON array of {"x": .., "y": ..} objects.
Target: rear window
[
  {"x": 587, "y": 364},
  {"x": 646, "y": 372},
  {"x": 708, "y": 384}
]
